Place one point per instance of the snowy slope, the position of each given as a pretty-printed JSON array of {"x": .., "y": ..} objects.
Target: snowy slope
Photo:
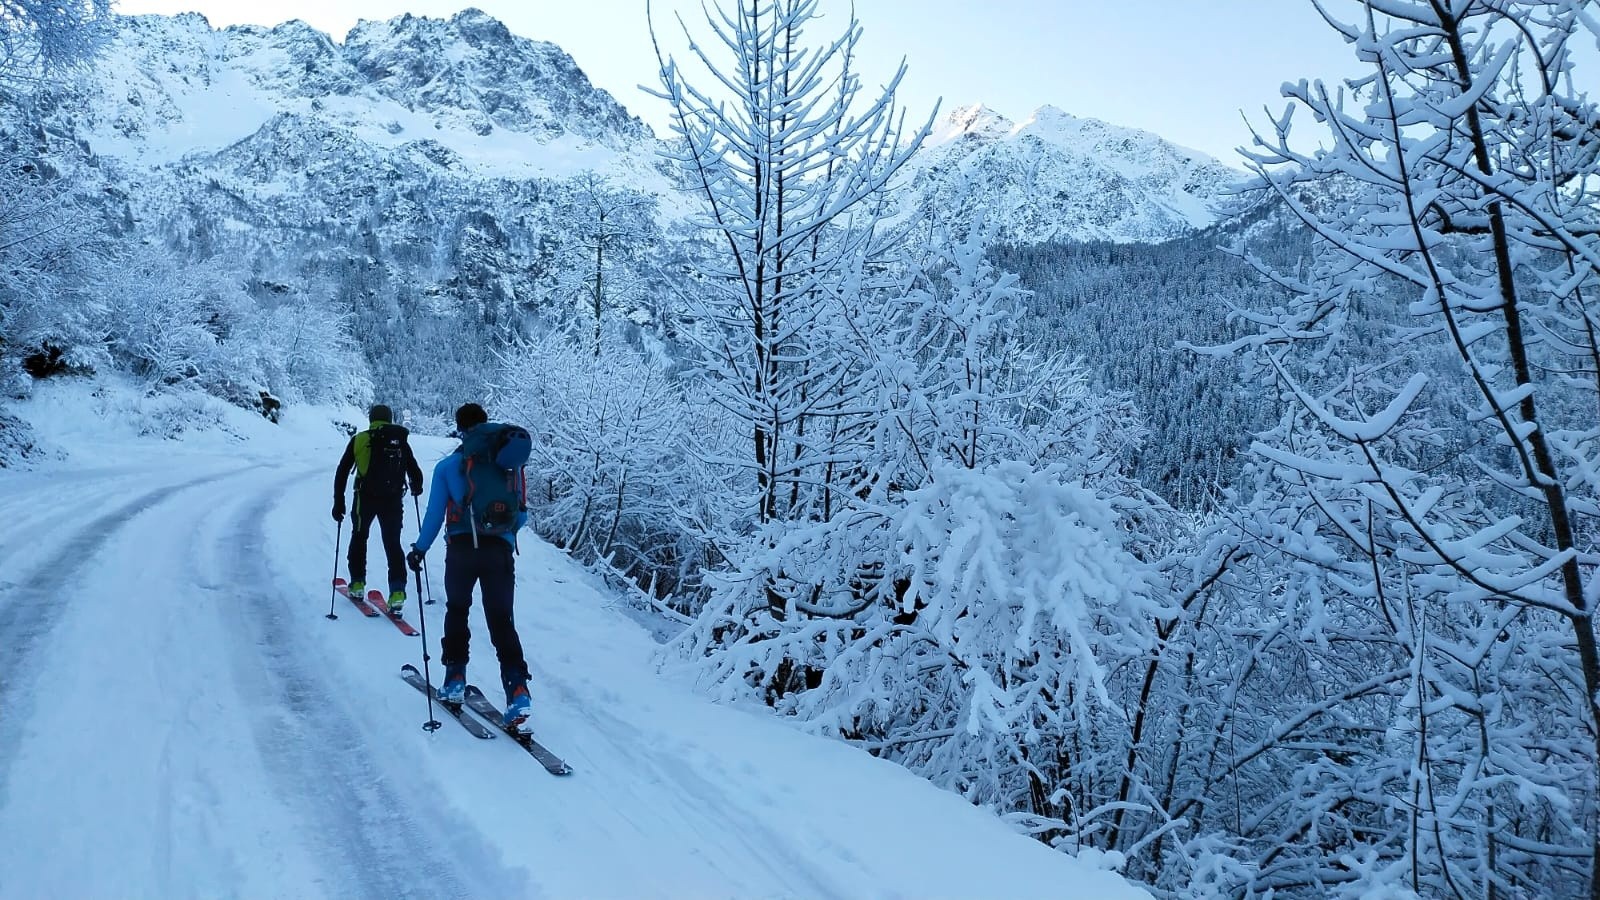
[
  {"x": 182, "y": 721},
  {"x": 1056, "y": 176}
]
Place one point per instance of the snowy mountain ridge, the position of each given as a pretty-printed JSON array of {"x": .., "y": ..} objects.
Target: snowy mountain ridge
[
  {"x": 172, "y": 88},
  {"x": 1056, "y": 176},
  {"x": 463, "y": 99}
]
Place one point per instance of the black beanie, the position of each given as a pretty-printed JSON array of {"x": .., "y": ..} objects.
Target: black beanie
[
  {"x": 380, "y": 413},
  {"x": 468, "y": 415}
]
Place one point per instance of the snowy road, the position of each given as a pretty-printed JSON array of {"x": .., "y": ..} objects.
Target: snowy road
[
  {"x": 180, "y": 720},
  {"x": 174, "y": 725}
]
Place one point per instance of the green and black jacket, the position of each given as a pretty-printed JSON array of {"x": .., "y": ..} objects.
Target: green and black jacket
[{"x": 358, "y": 455}]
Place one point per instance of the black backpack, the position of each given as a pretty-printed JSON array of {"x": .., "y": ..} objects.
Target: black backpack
[{"x": 386, "y": 461}]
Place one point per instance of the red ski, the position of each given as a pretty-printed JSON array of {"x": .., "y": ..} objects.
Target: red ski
[
  {"x": 343, "y": 587},
  {"x": 376, "y": 601}
]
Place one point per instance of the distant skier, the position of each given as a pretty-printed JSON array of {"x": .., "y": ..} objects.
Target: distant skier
[
  {"x": 479, "y": 498},
  {"x": 383, "y": 462}
]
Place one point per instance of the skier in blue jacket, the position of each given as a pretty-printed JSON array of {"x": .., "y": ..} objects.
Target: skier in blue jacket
[{"x": 470, "y": 558}]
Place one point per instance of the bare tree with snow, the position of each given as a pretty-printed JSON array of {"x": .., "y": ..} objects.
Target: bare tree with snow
[
  {"x": 790, "y": 160},
  {"x": 610, "y": 225},
  {"x": 1433, "y": 497}
]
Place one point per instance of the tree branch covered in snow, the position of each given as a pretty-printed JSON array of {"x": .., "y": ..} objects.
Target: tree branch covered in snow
[
  {"x": 39, "y": 38},
  {"x": 1422, "y": 528}
]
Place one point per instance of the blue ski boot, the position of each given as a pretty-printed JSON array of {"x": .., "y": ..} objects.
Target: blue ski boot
[
  {"x": 518, "y": 704},
  {"x": 454, "y": 689}
]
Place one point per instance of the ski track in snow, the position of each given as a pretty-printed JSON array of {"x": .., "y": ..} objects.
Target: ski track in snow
[
  {"x": 28, "y": 508},
  {"x": 31, "y": 620},
  {"x": 701, "y": 805},
  {"x": 25, "y": 508}
]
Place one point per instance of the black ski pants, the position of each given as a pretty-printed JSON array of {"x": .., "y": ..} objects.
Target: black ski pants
[
  {"x": 390, "y": 512},
  {"x": 491, "y": 566}
]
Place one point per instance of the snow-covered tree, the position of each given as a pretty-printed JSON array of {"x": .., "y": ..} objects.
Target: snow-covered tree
[
  {"x": 157, "y": 317},
  {"x": 615, "y": 478},
  {"x": 40, "y": 37},
  {"x": 1426, "y": 680},
  {"x": 49, "y": 318},
  {"x": 45, "y": 232},
  {"x": 790, "y": 161},
  {"x": 171, "y": 325},
  {"x": 969, "y": 606}
]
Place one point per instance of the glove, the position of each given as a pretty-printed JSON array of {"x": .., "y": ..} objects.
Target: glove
[
  {"x": 338, "y": 509},
  {"x": 416, "y": 490},
  {"x": 414, "y": 559}
]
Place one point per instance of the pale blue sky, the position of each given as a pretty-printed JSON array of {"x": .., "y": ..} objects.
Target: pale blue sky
[{"x": 1181, "y": 68}]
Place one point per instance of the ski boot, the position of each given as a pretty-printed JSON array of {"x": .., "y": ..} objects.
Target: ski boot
[
  {"x": 397, "y": 602},
  {"x": 357, "y": 589},
  {"x": 454, "y": 689},
  {"x": 518, "y": 704}
]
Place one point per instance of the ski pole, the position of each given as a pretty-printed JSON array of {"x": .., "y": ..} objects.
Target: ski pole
[
  {"x": 427, "y": 679},
  {"x": 333, "y": 593},
  {"x": 417, "y": 505}
]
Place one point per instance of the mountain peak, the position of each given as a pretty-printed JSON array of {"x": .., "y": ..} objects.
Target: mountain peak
[
  {"x": 975, "y": 122},
  {"x": 474, "y": 25},
  {"x": 1048, "y": 113},
  {"x": 481, "y": 29},
  {"x": 471, "y": 71}
]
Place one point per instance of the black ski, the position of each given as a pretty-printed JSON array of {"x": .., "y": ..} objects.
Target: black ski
[
  {"x": 414, "y": 678},
  {"x": 480, "y": 704}
]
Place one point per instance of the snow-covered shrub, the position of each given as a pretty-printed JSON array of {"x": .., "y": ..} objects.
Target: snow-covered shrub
[
  {"x": 968, "y": 630},
  {"x": 19, "y": 446},
  {"x": 48, "y": 248},
  {"x": 300, "y": 351},
  {"x": 613, "y": 477}
]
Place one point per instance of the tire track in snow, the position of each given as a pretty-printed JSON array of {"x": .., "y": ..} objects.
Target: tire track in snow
[
  {"x": 374, "y": 840},
  {"x": 35, "y": 601},
  {"x": 23, "y": 514},
  {"x": 38, "y": 599}
]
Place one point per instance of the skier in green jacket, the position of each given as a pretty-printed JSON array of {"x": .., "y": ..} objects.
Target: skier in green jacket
[{"x": 383, "y": 462}]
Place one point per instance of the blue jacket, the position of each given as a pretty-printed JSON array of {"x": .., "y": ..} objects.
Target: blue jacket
[{"x": 450, "y": 489}]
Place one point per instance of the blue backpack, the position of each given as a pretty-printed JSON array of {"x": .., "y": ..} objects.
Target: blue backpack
[{"x": 493, "y": 455}]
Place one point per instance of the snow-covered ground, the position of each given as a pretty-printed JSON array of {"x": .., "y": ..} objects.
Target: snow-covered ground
[{"x": 179, "y": 719}]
